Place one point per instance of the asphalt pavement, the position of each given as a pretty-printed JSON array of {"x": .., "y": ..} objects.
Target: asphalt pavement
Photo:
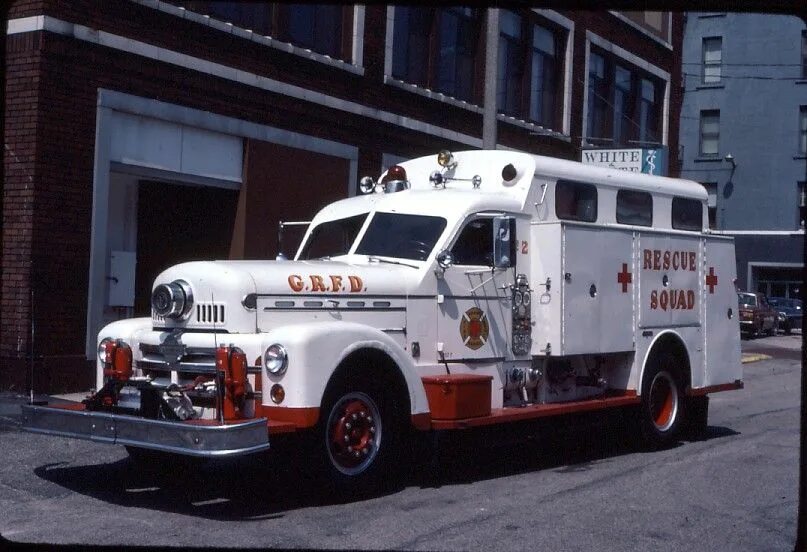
[{"x": 582, "y": 488}]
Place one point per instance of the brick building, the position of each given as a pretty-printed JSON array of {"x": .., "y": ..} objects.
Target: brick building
[{"x": 143, "y": 133}]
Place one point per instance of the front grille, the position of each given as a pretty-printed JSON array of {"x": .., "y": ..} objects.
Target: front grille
[
  {"x": 194, "y": 362},
  {"x": 210, "y": 313}
]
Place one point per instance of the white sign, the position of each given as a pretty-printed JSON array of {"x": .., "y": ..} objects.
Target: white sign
[
  {"x": 643, "y": 160},
  {"x": 624, "y": 159}
]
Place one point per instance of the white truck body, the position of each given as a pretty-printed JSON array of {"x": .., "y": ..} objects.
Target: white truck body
[{"x": 579, "y": 313}]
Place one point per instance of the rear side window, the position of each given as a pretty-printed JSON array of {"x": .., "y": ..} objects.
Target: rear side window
[
  {"x": 575, "y": 201},
  {"x": 634, "y": 207},
  {"x": 687, "y": 214}
]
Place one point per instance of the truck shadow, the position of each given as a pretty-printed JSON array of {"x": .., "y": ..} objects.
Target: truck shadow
[{"x": 265, "y": 486}]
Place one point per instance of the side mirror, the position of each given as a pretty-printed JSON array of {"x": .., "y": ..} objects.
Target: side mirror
[
  {"x": 504, "y": 244},
  {"x": 445, "y": 259}
]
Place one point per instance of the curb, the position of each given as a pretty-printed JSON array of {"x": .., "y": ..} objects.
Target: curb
[{"x": 754, "y": 357}]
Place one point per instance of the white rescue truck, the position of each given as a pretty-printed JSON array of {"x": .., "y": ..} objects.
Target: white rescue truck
[{"x": 464, "y": 290}]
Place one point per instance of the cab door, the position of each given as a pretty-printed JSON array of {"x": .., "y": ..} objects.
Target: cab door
[{"x": 474, "y": 316}]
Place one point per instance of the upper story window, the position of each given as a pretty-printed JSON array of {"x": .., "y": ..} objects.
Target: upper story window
[
  {"x": 712, "y": 59},
  {"x": 437, "y": 48},
  {"x": 634, "y": 207},
  {"x": 474, "y": 245},
  {"x": 624, "y": 103},
  {"x": 803, "y": 129},
  {"x": 528, "y": 74},
  {"x": 802, "y": 204},
  {"x": 322, "y": 28},
  {"x": 710, "y": 132},
  {"x": 575, "y": 201},
  {"x": 657, "y": 23},
  {"x": 687, "y": 214}
]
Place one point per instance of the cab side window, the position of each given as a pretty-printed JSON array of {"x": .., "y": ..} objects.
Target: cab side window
[
  {"x": 575, "y": 201},
  {"x": 474, "y": 246}
]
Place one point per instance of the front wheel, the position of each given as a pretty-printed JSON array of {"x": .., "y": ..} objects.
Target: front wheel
[
  {"x": 662, "y": 408},
  {"x": 359, "y": 436}
]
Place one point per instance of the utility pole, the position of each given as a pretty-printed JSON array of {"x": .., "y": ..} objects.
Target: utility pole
[{"x": 491, "y": 66}]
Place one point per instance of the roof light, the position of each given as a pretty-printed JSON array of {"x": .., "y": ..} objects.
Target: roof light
[
  {"x": 509, "y": 172},
  {"x": 366, "y": 185},
  {"x": 446, "y": 159},
  {"x": 395, "y": 172}
]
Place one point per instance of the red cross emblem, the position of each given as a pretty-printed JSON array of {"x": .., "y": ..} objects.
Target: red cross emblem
[
  {"x": 711, "y": 279},
  {"x": 624, "y": 277}
]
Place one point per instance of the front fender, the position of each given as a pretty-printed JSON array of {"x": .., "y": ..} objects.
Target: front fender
[
  {"x": 127, "y": 330},
  {"x": 316, "y": 349}
]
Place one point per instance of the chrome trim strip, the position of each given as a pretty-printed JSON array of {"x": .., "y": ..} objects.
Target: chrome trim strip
[{"x": 177, "y": 437}]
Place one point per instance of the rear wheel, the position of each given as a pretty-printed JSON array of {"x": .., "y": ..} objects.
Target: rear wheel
[
  {"x": 359, "y": 436},
  {"x": 662, "y": 408}
]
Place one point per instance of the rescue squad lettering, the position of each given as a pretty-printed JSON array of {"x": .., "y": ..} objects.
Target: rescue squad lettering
[
  {"x": 672, "y": 299},
  {"x": 319, "y": 283}
]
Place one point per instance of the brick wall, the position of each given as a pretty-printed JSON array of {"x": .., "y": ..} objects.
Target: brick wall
[{"x": 51, "y": 90}]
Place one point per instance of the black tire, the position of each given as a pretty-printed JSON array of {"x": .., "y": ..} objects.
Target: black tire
[
  {"x": 774, "y": 329},
  {"x": 662, "y": 410},
  {"x": 359, "y": 438}
]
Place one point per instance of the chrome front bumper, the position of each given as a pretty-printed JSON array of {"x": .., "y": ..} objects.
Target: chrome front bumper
[{"x": 194, "y": 438}]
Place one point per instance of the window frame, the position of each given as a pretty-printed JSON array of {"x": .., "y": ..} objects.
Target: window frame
[
  {"x": 601, "y": 100},
  {"x": 706, "y": 64},
  {"x": 434, "y": 53},
  {"x": 466, "y": 223},
  {"x": 526, "y": 50},
  {"x": 711, "y": 209},
  {"x": 680, "y": 222},
  {"x": 802, "y": 144},
  {"x": 716, "y": 135}
]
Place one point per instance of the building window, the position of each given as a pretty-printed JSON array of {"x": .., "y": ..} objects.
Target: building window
[
  {"x": 711, "y": 203},
  {"x": 687, "y": 214},
  {"x": 710, "y": 132},
  {"x": 528, "y": 76},
  {"x": 803, "y": 129},
  {"x": 624, "y": 103},
  {"x": 437, "y": 48},
  {"x": 575, "y": 201},
  {"x": 802, "y": 204},
  {"x": 634, "y": 207},
  {"x": 712, "y": 59},
  {"x": 322, "y": 28},
  {"x": 657, "y": 23}
]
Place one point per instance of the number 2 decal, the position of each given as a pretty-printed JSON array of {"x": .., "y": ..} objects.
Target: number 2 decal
[{"x": 524, "y": 247}]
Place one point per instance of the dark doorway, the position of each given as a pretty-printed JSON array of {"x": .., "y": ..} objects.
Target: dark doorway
[{"x": 178, "y": 223}]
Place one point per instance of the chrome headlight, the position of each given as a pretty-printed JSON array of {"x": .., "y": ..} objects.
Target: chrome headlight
[
  {"x": 275, "y": 359},
  {"x": 172, "y": 300}
]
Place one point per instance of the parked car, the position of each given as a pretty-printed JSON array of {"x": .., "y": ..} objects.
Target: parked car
[
  {"x": 790, "y": 312},
  {"x": 756, "y": 315}
]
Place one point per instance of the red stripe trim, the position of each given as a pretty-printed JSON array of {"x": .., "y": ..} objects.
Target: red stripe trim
[
  {"x": 701, "y": 391},
  {"x": 422, "y": 422},
  {"x": 511, "y": 414},
  {"x": 299, "y": 417}
]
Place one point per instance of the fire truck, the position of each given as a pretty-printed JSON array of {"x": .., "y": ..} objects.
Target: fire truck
[{"x": 462, "y": 290}]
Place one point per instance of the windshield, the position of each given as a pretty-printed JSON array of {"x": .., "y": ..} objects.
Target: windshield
[
  {"x": 747, "y": 299},
  {"x": 332, "y": 238},
  {"x": 401, "y": 236}
]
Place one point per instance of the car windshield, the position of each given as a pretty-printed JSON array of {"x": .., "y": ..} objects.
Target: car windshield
[
  {"x": 332, "y": 238},
  {"x": 789, "y": 303},
  {"x": 401, "y": 236},
  {"x": 748, "y": 299}
]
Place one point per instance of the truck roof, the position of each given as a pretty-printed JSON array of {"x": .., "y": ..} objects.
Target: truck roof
[{"x": 459, "y": 197}]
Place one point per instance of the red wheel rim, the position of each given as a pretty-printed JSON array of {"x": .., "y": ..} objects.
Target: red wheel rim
[
  {"x": 353, "y": 433},
  {"x": 663, "y": 401}
]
